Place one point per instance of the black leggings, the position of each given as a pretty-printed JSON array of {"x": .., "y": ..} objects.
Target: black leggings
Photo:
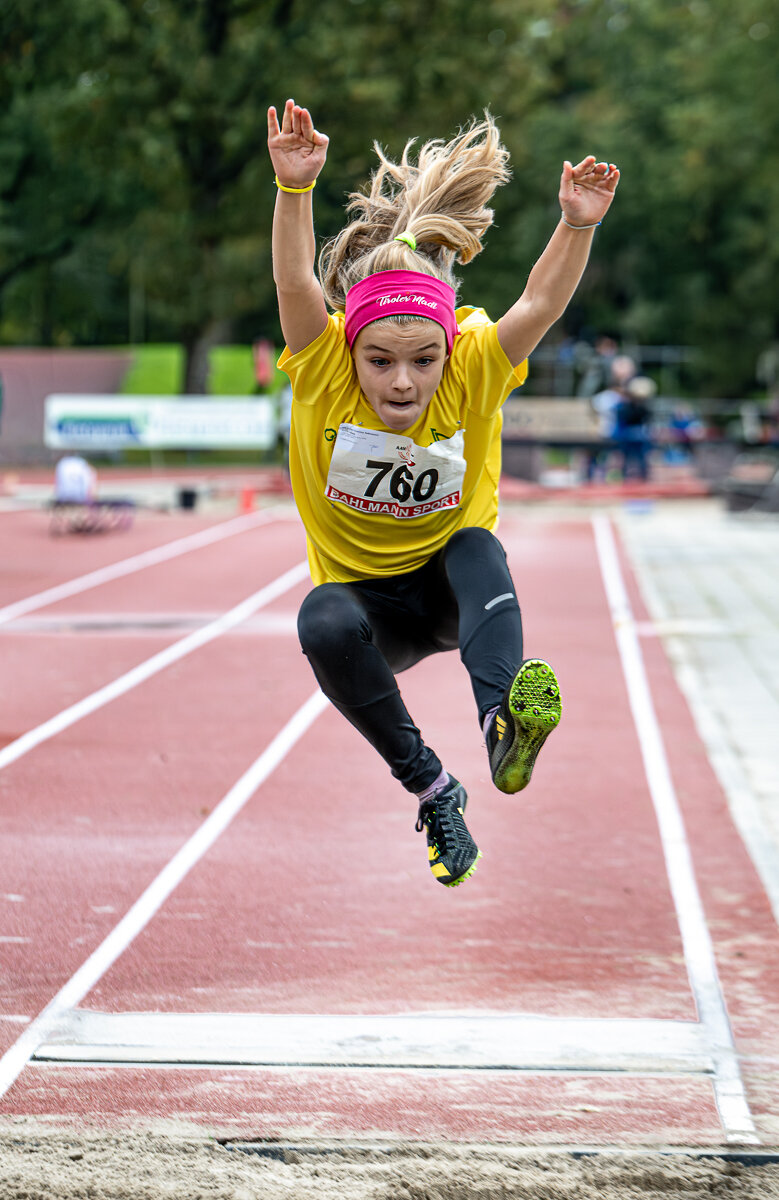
[{"x": 358, "y": 636}]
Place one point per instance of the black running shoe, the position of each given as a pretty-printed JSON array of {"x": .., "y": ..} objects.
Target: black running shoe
[
  {"x": 451, "y": 850},
  {"x": 529, "y": 711}
]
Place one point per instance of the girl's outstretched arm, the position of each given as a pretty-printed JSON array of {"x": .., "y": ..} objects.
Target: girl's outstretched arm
[
  {"x": 586, "y": 191},
  {"x": 298, "y": 152}
]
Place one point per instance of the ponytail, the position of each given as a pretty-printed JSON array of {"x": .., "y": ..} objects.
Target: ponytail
[{"x": 441, "y": 200}]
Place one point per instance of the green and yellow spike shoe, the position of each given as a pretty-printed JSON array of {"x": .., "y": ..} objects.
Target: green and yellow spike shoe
[
  {"x": 529, "y": 711},
  {"x": 451, "y": 851}
]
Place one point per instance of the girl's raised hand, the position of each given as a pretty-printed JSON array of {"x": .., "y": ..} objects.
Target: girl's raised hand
[
  {"x": 587, "y": 190},
  {"x": 297, "y": 150}
]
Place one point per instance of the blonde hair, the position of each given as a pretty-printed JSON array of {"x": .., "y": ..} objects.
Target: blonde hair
[{"x": 441, "y": 200}]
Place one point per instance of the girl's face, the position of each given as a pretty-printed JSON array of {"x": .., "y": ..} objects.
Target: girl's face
[{"x": 399, "y": 368}]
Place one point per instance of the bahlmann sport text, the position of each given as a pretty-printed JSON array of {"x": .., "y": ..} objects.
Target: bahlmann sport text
[{"x": 390, "y": 508}]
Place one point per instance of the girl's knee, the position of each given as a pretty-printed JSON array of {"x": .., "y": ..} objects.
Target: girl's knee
[
  {"x": 473, "y": 535},
  {"x": 476, "y": 545},
  {"x": 327, "y": 617}
]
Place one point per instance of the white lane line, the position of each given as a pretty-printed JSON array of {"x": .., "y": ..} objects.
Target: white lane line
[
  {"x": 696, "y": 939},
  {"x": 138, "y": 562},
  {"x": 79, "y": 985},
  {"x": 193, "y": 641}
]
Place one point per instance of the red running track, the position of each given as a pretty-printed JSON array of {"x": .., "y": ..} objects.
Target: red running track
[{"x": 563, "y": 952}]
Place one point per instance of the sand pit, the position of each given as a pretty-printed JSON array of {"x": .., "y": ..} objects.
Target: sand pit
[{"x": 39, "y": 1163}]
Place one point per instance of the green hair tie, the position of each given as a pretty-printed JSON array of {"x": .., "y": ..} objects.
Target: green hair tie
[{"x": 408, "y": 238}]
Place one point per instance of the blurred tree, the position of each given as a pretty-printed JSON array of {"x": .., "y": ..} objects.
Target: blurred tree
[
  {"x": 180, "y": 96},
  {"x": 134, "y": 182},
  {"x": 685, "y": 98},
  {"x": 48, "y": 197}
]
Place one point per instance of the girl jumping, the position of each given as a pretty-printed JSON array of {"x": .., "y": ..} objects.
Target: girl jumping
[{"x": 395, "y": 446}]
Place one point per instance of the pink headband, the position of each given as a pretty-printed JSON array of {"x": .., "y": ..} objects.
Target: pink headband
[{"x": 411, "y": 293}]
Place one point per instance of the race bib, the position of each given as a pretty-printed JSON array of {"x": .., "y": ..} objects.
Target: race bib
[{"x": 389, "y": 475}]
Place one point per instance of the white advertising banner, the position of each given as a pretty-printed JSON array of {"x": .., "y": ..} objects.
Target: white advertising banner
[{"x": 160, "y": 422}]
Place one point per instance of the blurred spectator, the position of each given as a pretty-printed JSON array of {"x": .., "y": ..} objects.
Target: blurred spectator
[
  {"x": 684, "y": 428},
  {"x": 771, "y": 422},
  {"x": 596, "y": 363},
  {"x": 605, "y": 404},
  {"x": 632, "y": 419},
  {"x": 75, "y": 481},
  {"x": 262, "y": 353},
  {"x": 767, "y": 370}
]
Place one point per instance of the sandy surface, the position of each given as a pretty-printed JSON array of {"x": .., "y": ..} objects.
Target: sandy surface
[{"x": 37, "y": 1163}]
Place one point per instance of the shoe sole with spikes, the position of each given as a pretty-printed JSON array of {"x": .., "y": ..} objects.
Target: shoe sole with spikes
[
  {"x": 466, "y": 875},
  {"x": 531, "y": 708}
]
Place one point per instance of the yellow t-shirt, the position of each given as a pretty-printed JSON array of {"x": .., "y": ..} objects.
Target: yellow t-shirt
[{"x": 377, "y": 502}]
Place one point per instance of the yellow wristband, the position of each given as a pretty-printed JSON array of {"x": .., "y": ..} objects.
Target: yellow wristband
[{"x": 297, "y": 191}]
